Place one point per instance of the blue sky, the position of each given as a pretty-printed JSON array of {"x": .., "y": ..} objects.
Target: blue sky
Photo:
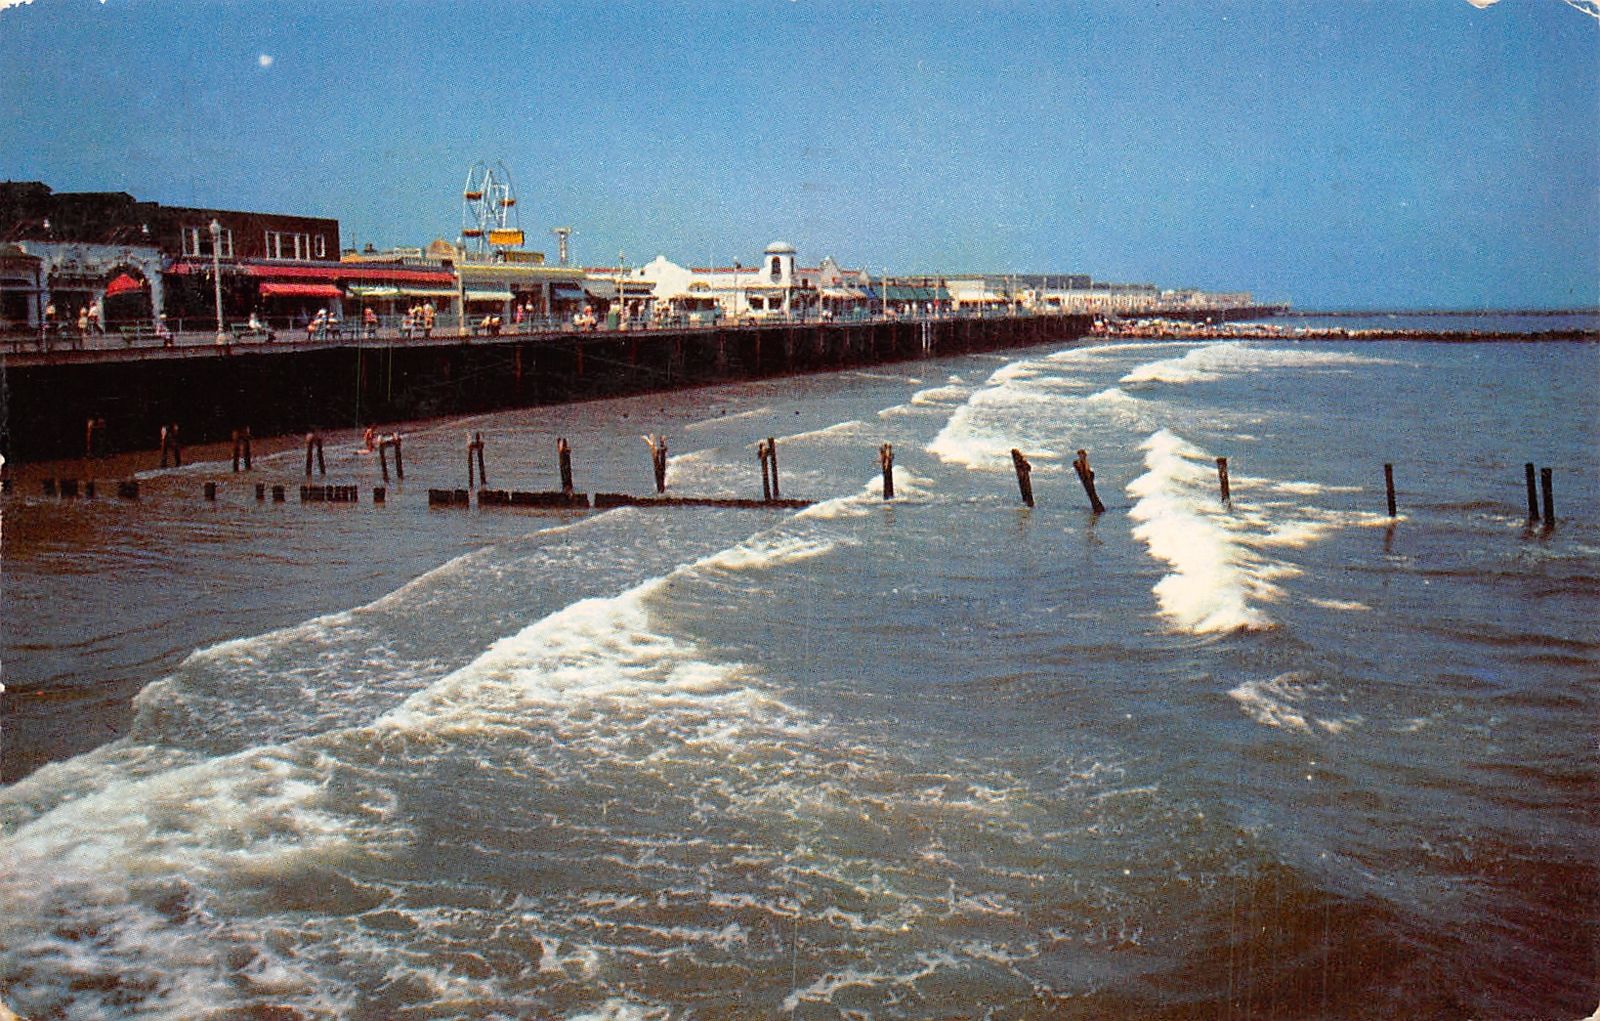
[{"x": 1336, "y": 154}]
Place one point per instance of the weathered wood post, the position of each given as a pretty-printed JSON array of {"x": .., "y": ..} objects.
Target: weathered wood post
[
  {"x": 1533, "y": 493},
  {"x": 211, "y": 491},
  {"x": 383, "y": 458},
  {"x": 399, "y": 464},
  {"x": 246, "y": 438},
  {"x": 1086, "y": 476},
  {"x": 90, "y": 427},
  {"x": 314, "y": 444},
  {"x": 1222, "y": 480},
  {"x": 261, "y": 492},
  {"x": 1024, "y": 476},
  {"x": 169, "y": 443},
  {"x": 1546, "y": 486},
  {"x": 658, "y": 459},
  {"x": 1388, "y": 486},
  {"x": 886, "y": 462},
  {"x": 564, "y": 459},
  {"x": 236, "y": 451},
  {"x": 475, "y": 447},
  {"x": 483, "y": 474},
  {"x": 766, "y": 481},
  {"x": 772, "y": 462}
]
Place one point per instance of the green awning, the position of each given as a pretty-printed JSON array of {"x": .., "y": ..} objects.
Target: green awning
[{"x": 474, "y": 294}]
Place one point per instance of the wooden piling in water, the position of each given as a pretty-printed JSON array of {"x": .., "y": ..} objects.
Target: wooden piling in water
[
  {"x": 886, "y": 462},
  {"x": 1222, "y": 480},
  {"x": 1024, "y": 476},
  {"x": 772, "y": 463},
  {"x": 564, "y": 459},
  {"x": 1533, "y": 493},
  {"x": 1086, "y": 476},
  {"x": 475, "y": 446},
  {"x": 88, "y": 489},
  {"x": 1546, "y": 487},
  {"x": 766, "y": 481},
  {"x": 211, "y": 491},
  {"x": 261, "y": 492},
  {"x": 68, "y": 487},
  {"x": 1388, "y": 486},
  {"x": 277, "y": 494},
  {"x": 380, "y": 494},
  {"x": 658, "y": 459},
  {"x": 128, "y": 489},
  {"x": 48, "y": 486}
]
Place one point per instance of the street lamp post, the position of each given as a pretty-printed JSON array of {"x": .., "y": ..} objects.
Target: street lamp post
[
  {"x": 216, "y": 276},
  {"x": 622, "y": 304}
]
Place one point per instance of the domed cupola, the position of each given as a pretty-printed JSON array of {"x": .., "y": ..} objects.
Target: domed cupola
[{"x": 779, "y": 269}]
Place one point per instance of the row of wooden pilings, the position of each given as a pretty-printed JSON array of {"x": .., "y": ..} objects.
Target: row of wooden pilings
[{"x": 766, "y": 453}]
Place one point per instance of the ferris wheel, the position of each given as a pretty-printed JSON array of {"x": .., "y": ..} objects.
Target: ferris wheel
[{"x": 489, "y": 218}]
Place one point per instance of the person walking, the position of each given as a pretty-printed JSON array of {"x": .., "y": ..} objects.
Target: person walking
[{"x": 83, "y": 324}]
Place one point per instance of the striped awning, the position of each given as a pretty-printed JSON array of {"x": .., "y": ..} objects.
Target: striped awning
[{"x": 478, "y": 294}]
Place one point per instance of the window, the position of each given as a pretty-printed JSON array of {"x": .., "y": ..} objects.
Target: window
[
  {"x": 321, "y": 246},
  {"x": 283, "y": 245},
  {"x": 197, "y": 242},
  {"x": 777, "y": 269}
]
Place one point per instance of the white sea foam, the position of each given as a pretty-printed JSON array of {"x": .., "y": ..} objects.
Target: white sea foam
[
  {"x": 762, "y": 412},
  {"x": 1284, "y": 702},
  {"x": 1214, "y": 577},
  {"x": 1211, "y": 362}
]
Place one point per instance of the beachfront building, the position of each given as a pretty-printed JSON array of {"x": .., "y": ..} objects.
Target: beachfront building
[
  {"x": 134, "y": 261},
  {"x": 977, "y": 295},
  {"x": 841, "y": 293},
  {"x": 775, "y": 288}
]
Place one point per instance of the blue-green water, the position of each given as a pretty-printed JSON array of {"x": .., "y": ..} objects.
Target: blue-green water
[{"x": 941, "y": 757}]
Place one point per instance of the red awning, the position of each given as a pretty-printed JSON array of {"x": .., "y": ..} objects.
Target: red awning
[
  {"x": 121, "y": 283},
  {"x": 272, "y": 290},
  {"x": 347, "y": 271},
  {"x": 327, "y": 272}
]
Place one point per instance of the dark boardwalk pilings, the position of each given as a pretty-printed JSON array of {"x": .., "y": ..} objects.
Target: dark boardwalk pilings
[
  {"x": 1388, "y": 487},
  {"x": 241, "y": 449},
  {"x": 1546, "y": 487},
  {"x": 886, "y": 463},
  {"x": 1222, "y": 481},
  {"x": 1533, "y": 493},
  {"x": 169, "y": 445},
  {"x": 314, "y": 445}
]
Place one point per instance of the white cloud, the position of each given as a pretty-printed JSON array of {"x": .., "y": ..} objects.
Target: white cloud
[{"x": 265, "y": 60}]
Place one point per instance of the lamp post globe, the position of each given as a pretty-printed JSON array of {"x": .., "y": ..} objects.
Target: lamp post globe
[{"x": 216, "y": 277}]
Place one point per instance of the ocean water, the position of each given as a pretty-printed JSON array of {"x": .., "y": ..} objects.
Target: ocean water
[{"x": 945, "y": 756}]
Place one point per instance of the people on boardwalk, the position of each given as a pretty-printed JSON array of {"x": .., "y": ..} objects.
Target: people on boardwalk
[
  {"x": 369, "y": 322},
  {"x": 428, "y": 314},
  {"x": 369, "y": 440},
  {"x": 317, "y": 325},
  {"x": 585, "y": 320},
  {"x": 164, "y": 332},
  {"x": 95, "y": 325},
  {"x": 83, "y": 325}
]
